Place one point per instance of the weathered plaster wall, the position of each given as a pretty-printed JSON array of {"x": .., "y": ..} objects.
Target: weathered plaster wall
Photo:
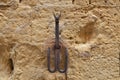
[{"x": 90, "y": 31}]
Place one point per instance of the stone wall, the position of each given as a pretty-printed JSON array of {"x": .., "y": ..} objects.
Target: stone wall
[{"x": 89, "y": 28}]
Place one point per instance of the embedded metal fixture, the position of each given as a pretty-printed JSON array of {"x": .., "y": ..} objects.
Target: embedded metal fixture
[{"x": 57, "y": 49}]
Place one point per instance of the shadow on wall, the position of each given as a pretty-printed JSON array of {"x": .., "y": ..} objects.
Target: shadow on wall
[
  {"x": 87, "y": 31},
  {"x": 6, "y": 63}
]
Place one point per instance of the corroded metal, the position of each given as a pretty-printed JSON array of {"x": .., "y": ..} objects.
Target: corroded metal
[{"x": 56, "y": 50}]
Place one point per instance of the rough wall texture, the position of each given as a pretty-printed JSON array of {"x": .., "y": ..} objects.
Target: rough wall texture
[{"x": 90, "y": 31}]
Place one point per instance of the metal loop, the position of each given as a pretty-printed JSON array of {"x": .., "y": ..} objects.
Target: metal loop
[
  {"x": 65, "y": 63},
  {"x": 48, "y": 60}
]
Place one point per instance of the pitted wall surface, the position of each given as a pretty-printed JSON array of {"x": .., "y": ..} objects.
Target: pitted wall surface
[{"x": 90, "y": 30}]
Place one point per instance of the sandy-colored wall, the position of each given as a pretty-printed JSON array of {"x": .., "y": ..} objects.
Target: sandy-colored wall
[{"x": 91, "y": 32}]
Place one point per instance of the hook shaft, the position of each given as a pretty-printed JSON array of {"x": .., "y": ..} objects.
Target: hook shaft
[{"x": 57, "y": 17}]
